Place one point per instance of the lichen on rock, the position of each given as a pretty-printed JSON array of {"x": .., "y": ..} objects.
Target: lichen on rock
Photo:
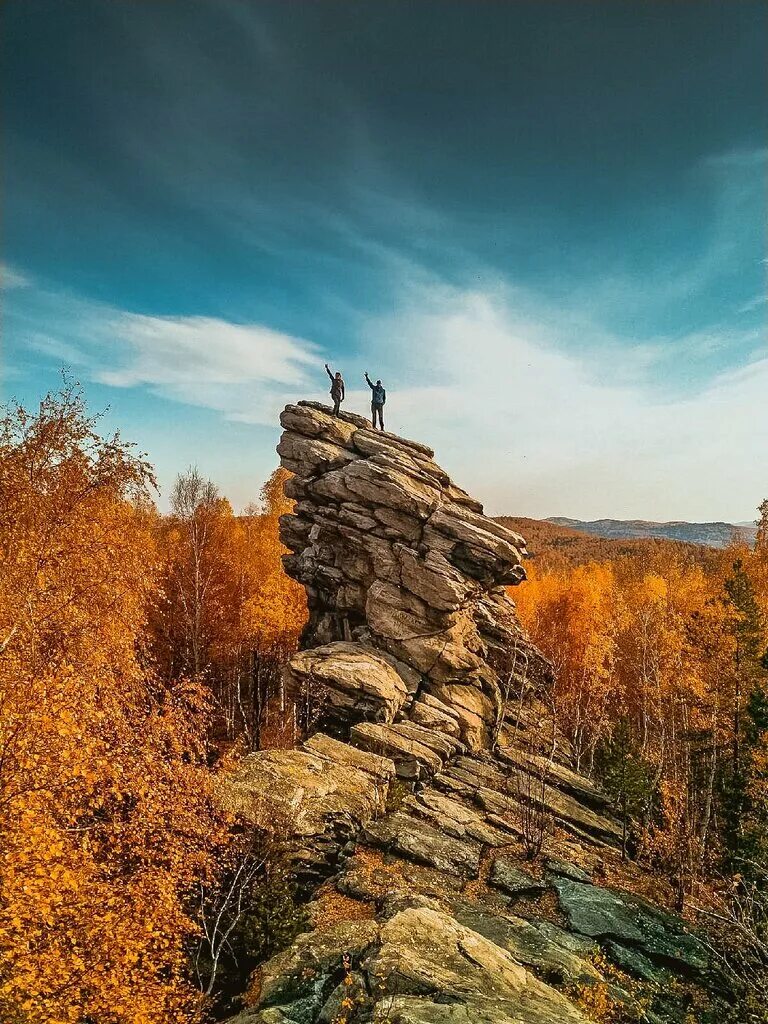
[
  {"x": 397, "y": 559},
  {"x": 426, "y": 686}
]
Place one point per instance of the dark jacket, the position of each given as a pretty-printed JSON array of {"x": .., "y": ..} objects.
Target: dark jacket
[
  {"x": 337, "y": 385},
  {"x": 379, "y": 395}
]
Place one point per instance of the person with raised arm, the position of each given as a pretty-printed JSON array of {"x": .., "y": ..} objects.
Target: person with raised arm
[
  {"x": 337, "y": 389},
  {"x": 378, "y": 398}
]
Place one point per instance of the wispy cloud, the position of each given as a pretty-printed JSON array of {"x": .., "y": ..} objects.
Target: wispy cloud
[
  {"x": 244, "y": 371},
  {"x": 533, "y": 402},
  {"x": 12, "y": 278},
  {"x": 187, "y": 355},
  {"x": 537, "y": 430}
]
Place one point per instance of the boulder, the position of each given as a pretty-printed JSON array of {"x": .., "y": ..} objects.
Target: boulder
[
  {"x": 602, "y": 914},
  {"x": 564, "y": 869},
  {"x": 395, "y": 555},
  {"x": 417, "y": 817},
  {"x": 400, "y": 833},
  {"x": 455, "y": 818},
  {"x": 430, "y": 968},
  {"x": 511, "y": 879},
  {"x": 357, "y": 681},
  {"x": 296, "y": 985},
  {"x": 542, "y": 947},
  {"x": 433, "y": 714},
  {"x": 314, "y": 799},
  {"x": 412, "y": 759}
]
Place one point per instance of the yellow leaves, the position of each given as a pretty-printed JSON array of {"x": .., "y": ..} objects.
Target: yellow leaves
[
  {"x": 224, "y": 591},
  {"x": 104, "y": 797},
  {"x": 648, "y": 640}
]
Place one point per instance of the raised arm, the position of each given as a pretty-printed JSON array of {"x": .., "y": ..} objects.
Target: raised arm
[
  {"x": 368, "y": 380},
  {"x": 328, "y": 371}
]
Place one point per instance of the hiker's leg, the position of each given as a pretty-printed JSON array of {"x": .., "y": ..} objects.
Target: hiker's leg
[
  {"x": 336, "y": 404},
  {"x": 381, "y": 416},
  {"x": 373, "y": 415}
]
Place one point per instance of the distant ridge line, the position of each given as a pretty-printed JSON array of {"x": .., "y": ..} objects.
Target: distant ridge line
[{"x": 714, "y": 535}]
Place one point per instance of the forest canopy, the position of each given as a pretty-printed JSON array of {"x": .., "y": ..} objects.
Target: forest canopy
[
  {"x": 128, "y": 645},
  {"x": 141, "y": 654}
]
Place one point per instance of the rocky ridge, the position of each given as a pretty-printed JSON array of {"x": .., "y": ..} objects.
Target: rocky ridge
[{"x": 416, "y": 806}]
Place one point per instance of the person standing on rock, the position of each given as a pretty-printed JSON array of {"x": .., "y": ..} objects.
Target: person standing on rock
[
  {"x": 337, "y": 389},
  {"x": 378, "y": 398}
]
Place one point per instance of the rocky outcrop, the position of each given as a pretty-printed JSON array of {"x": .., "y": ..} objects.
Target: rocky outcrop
[
  {"x": 404, "y": 575},
  {"x": 318, "y": 798},
  {"x": 419, "y": 802}
]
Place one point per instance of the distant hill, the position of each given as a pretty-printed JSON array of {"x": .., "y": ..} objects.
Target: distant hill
[
  {"x": 552, "y": 546},
  {"x": 713, "y": 535}
]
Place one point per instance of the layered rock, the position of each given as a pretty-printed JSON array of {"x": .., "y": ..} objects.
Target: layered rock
[
  {"x": 418, "y": 811},
  {"x": 402, "y": 569}
]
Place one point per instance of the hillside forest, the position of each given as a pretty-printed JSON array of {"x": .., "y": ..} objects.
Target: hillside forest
[{"x": 141, "y": 656}]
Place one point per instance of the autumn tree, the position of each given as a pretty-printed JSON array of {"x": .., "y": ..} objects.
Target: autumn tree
[
  {"x": 576, "y": 617},
  {"x": 272, "y": 611},
  {"x": 227, "y": 614},
  {"x": 195, "y": 543},
  {"x": 626, "y": 776},
  {"x": 656, "y": 654},
  {"x": 748, "y": 730},
  {"x": 105, "y": 801},
  {"x": 761, "y": 538}
]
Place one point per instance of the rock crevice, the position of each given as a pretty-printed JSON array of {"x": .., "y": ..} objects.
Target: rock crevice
[
  {"x": 436, "y": 758},
  {"x": 399, "y": 561}
]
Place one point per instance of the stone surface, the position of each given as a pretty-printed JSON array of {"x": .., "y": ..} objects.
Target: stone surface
[
  {"x": 419, "y": 665},
  {"x": 317, "y": 798},
  {"x": 357, "y": 683},
  {"x": 564, "y": 869},
  {"x": 513, "y": 880},
  {"x": 437, "y": 970},
  {"x": 542, "y": 947},
  {"x": 412, "y": 759},
  {"x": 425, "y": 844},
  {"x": 603, "y": 914},
  {"x": 496, "y": 789},
  {"x": 395, "y": 557},
  {"x": 296, "y": 984}
]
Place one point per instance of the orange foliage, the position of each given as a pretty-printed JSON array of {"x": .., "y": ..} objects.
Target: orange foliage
[
  {"x": 274, "y": 610},
  {"x": 331, "y": 907},
  {"x": 228, "y": 613},
  {"x": 647, "y": 640},
  {"x": 104, "y": 797},
  {"x": 576, "y": 616}
]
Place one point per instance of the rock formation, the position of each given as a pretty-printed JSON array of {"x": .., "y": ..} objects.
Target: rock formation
[
  {"x": 416, "y": 804},
  {"x": 403, "y": 568}
]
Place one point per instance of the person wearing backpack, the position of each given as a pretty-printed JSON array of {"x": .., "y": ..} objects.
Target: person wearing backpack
[{"x": 378, "y": 398}]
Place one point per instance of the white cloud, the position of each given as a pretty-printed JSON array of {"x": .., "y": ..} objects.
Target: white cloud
[
  {"x": 538, "y": 431},
  {"x": 241, "y": 370},
  {"x": 531, "y": 427},
  {"x": 245, "y": 371},
  {"x": 12, "y": 278}
]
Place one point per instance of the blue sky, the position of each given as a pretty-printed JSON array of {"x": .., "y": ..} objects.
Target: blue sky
[{"x": 541, "y": 224}]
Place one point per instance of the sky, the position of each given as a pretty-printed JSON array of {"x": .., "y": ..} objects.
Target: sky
[{"x": 541, "y": 224}]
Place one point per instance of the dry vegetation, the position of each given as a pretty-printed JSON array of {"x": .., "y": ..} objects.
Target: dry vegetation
[
  {"x": 661, "y": 658},
  {"x": 136, "y": 648},
  {"x": 129, "y": 643}
]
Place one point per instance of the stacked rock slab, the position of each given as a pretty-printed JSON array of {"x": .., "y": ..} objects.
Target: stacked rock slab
[
  {"x": 439, "y": 913},
  {"x": 409, "y": 618}
]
